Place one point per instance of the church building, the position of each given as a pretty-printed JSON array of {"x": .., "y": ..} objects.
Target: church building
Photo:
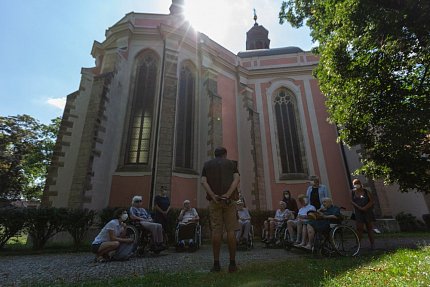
[{"x": 163, "y": 96}]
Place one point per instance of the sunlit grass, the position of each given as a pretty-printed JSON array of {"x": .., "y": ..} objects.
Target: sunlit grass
[{"x": 402, "y": 268}]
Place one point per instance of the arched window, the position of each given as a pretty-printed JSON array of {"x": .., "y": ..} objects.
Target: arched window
[
  {"x": 288, "y": 132},
  {"x": 139, "y": 136},
  {"x": 185, "y": 119}
]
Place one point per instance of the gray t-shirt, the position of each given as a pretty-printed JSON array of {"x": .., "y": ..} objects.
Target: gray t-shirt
[
  {"x": 188, "y": 215},
  {"x": 103, "y": 236},
  {"x": 243, "y": 215}
]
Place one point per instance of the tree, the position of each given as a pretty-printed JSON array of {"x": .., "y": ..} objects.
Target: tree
[
  {"x": 26, "y": 148},
  {"x": 374, "y": 71}
]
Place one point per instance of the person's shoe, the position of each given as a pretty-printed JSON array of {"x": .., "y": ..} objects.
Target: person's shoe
[
  {"x": 232, "y": 268},
  {"x": 216, "y": 268},
  {"x": 308, "y": 247}
]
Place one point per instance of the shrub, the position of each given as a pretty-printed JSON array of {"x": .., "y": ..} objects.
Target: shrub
[
  {"x": 43, "y": 223},
  {"x": 12, "y": 221},
  {"x": 77, "y": 223},
  {"x": 408, "y": 222},
  {"x": 106, "y": 215},
  {"x": 257, "y": 219}
]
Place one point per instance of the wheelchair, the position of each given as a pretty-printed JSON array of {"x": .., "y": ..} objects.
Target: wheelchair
[
  {"x": 281, "y": 237},
  {"x": 186, "y": 232},
  {"x": 249, "y": 244},
  {"x": 142, "y": 238},
  {"x": 340, "y": 239}
]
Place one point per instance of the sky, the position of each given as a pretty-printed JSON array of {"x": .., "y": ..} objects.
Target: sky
[{"x": 45, "y": 43}]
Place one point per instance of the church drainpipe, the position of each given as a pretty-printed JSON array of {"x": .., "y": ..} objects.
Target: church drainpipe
[{"x": 157, "y": 130}]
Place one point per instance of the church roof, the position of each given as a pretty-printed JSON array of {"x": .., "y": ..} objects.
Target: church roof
[{"x": 270, "y": 52}]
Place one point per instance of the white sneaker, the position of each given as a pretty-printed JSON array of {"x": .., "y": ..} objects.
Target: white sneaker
[{"x": 377, "y": 231}]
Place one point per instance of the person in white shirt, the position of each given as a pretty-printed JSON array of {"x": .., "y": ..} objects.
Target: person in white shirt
[
  {"x": 281, "y": 215},
  {"x": 110, "y": 237},
  {"x": 302, "y": 218},
  {"x": 188, "y": 218},
  {"x": 242, "y": 235}
]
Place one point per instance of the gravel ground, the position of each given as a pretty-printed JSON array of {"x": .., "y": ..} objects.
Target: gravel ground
[{"x": 75, "y": 267}]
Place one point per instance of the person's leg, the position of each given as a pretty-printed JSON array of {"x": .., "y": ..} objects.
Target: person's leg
[
  {"x": 359, "y": 226},
  {"x": 107, "y": 247},
  {"x": 311, "y": 236},
  {"x": 215, "y": 216},
  {"x": 246, "y": 230},
  {"x": 231, "y": 224},
  {"x": 371, "y": 234},
  {"x": 266, "y": 230},
  {"x": 299, "y": 227},
  {"x": 304, "y": 235},
  {"x": 271, "y": 229},
  {"x": 159, "y": 231},
  {"x": 291, "y": 225}
]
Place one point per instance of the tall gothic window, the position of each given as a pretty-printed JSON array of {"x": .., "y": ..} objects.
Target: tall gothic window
[
  {"x": 288, "y": 133},
  {"x": 139, "y": 137},
  {"x": 185, "y": 119}
]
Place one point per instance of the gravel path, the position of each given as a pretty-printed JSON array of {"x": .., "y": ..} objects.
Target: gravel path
[{"x": 75, "y": 267}]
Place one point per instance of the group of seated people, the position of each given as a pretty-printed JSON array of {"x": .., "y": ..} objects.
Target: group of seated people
[
  {"x": 300, "y": 223},
  {"x": 113, "y": 233},
  {"x": 302, "y": 227}
]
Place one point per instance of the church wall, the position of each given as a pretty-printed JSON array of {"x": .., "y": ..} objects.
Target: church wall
[
  {"x": 226, "y": 89},
  {"x": 71, "y": 143},
  {"x": 127, "y": 186},
  {"x": 339, "y": 187},
  {"x": 184, "y": 188}
]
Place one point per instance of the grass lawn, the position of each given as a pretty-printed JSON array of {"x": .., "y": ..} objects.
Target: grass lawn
[{"x": 401, "y": 268}]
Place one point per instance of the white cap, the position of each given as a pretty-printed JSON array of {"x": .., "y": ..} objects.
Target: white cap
[{"x": 136, "y": 198}]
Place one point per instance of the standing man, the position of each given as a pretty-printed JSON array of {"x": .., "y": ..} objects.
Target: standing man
[
  {"x": 220, "y": 179},
  {"x": 316, "y": 192}
]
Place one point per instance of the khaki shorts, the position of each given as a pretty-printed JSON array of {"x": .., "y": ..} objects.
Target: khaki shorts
[{"x": 222, "y": 214}]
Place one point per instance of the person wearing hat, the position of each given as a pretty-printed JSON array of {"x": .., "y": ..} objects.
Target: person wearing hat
[
  {"x": 188, "y": 216},
  {"x": 138, "y": 213},
  {"x": 220, "y": 178},
  {"x": 242, "y": 235}
]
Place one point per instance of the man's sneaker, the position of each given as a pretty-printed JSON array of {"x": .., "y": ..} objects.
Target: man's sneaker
[
  {"x": 216, "y": 268},
  {"x": 232, "y": 268}
]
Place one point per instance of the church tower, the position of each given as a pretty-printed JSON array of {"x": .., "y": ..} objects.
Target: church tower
[{"x": 257, "y": 37}]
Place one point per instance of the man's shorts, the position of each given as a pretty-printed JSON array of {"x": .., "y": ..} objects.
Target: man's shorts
[{"x": 222, "y": 214}]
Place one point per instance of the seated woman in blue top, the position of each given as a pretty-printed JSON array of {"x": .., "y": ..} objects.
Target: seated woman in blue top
[{"x": 327, "y": 214}]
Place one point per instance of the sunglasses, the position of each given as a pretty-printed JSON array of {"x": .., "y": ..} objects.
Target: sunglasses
[{"x": 138, "y": 201}]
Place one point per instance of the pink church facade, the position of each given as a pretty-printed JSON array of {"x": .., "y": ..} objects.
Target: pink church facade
[{"x": 162, "y": 97}]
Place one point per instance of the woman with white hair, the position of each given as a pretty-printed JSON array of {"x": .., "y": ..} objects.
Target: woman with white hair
[
  {"x": 138, "y": 213},
  {"x": 327, "y": 214},
  {"x": 188, "y": 219},
  {"x": 242, "y": 235}
]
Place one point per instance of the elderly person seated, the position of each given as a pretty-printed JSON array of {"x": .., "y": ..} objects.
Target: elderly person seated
[
  {"x": 301, "y": 220},
  {"x": 187, "y": 219},
  {"x": 242, "y": 235},
  {"x": 321, "y": 219},
  {"x": 282, "y": 215},
  {"x": 111, "y": 236},
  {"x": 139, "y": 214}
]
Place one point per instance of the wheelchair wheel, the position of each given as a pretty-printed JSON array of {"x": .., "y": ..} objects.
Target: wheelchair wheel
[
  {"x": 345, "y": 240},
  {"x": 132, "y": 232}
]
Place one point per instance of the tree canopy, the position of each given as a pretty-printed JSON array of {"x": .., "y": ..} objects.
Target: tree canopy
[
  {"x": 26, "y": 148},
  {"x": 374, "y": 71}
]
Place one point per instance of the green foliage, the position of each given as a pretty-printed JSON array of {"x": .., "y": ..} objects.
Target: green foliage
[
  {"x": 374, "y": 70},
  {"x": 43, "y": 223},
  {"x": 12, "y": 221},
  {"x": 409, "y": 222},
  {"x": 77, "y": 222},
  {"x": 106, "y": 215},
  {"x": 26, "y": 148}
]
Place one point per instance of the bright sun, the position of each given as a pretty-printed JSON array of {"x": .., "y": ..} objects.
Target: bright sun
[{"x": 219, "y": 19}]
